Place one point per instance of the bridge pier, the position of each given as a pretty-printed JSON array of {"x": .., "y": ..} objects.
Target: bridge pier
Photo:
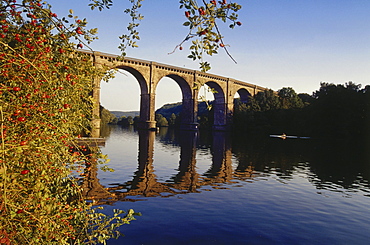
[
  {"x": 147, "y": 112},
  {"x": 189, "y": 126},
  {"x": 189, "y": 114},
  {"x": 147, "y": 125},
  {"x": 96, "y": 121},
  {"x": 226, "y": 127},
  {"x": 95, "y": 130}
]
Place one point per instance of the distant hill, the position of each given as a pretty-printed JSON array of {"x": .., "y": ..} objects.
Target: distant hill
[
  {"x": 120, "y": 114},
  {"x": 167, "y": 109}
]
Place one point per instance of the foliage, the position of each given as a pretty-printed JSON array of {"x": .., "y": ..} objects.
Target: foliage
[
  {"x": 172, "y": 113},
  {"x": 119, "y": 114},
  {"x": 269, "y": 112},
  {"x": 266, "y": 101},
  {"x": 306, "y": 98},
  {"x": 107, "y": 117},
  {"x": 126, "y": 121},
  {"x": 172, "y": 120},
  {"x": 203, "y": 28},
  {"x": 168, "y": 109},
  {"x": 289, "y": 99},
  {"x": 333, "y": 111},
  {"x": 45, "y": 103},
  {"x": 161, "y": 120},
  {"x": 201, "y": 20},
  {"x": 341, "y": 111}
]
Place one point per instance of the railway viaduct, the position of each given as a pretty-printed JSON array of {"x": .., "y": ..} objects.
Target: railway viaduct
[{"x": 149, "y": 73}]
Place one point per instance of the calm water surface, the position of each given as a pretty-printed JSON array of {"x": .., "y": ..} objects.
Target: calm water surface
[{"x": 210, "y": 188}]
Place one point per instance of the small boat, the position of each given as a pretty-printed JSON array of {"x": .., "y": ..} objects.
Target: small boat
[{"x": 284, "y": 136}]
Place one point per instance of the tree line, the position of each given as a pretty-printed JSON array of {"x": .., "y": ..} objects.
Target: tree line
[{"x": 334, "y": 110}]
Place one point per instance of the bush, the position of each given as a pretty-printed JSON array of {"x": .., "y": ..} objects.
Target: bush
[{"x": 45, "y": 103}]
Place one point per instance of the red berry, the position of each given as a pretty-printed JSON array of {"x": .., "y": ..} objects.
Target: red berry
[
  {"x": 65, "y": 106},
  {"x": 202, "y": 32},
  {"x": 26, "y": 171},
  {"x": 79, "y": 45},
  {"x": 17, "y": 89},
  {"x": 21, "y": 119},
  {"x": 20, "y": 211},
  {"x": 23, "y": 143},
  {"x": 187, "y": 14},
  {"x": 239, "y": 23},
  {"x": 78, "y": 30}
]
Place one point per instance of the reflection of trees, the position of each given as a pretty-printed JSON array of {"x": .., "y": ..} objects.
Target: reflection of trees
[
  {"x": 330, "y": 162},
  {"x": 269, "y": 156},
  {"x": 338, "y": 164},
  {"x": 344, "y": 163},
  {"x": 105, "y": 130}
]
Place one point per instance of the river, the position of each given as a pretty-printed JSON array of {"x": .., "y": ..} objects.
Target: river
[{"x": 213, "y": 188}]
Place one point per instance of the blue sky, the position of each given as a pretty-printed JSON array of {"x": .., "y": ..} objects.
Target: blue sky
[{"x": 282, "y": 43}]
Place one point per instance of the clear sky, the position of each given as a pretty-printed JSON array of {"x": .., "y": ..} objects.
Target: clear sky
[{"x": 282, "y": 43}]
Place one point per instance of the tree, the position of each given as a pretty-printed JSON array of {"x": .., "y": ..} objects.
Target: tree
[
  {"x": 172, "y": 120},
  {"x": 106, "y": 116},
  {"x": 289, "y": 99},
  {"x": 340, "y": 110},
  {"x": 306, "y": 98},
  {"x": 45, "y": 103},
  {"x": 161, "y": 120},
  {"x": 267, "y": 100}
]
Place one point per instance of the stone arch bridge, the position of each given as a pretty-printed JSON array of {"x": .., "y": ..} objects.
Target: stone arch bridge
[{"x": 149, "y": 73}]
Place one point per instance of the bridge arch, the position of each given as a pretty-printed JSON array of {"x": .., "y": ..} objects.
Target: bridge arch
[
  {"x": 139, "y": 77},
  {"x": 145, "y": 95},
  {"x": 189, "y": 103},
  {"x": 244, "y": 95},
  {"x": 219, "y": 105}
]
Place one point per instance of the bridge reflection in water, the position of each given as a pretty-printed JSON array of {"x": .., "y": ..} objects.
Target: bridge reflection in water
[
  {"x": 211, "y": 189},
  {"x": 145, "y": 183}
]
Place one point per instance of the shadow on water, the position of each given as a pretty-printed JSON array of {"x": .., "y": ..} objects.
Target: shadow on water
[
  {"x": 341, "y": 163},
  {"x": 345, "y": 163},
  {"x": 329, "y": 165}
]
